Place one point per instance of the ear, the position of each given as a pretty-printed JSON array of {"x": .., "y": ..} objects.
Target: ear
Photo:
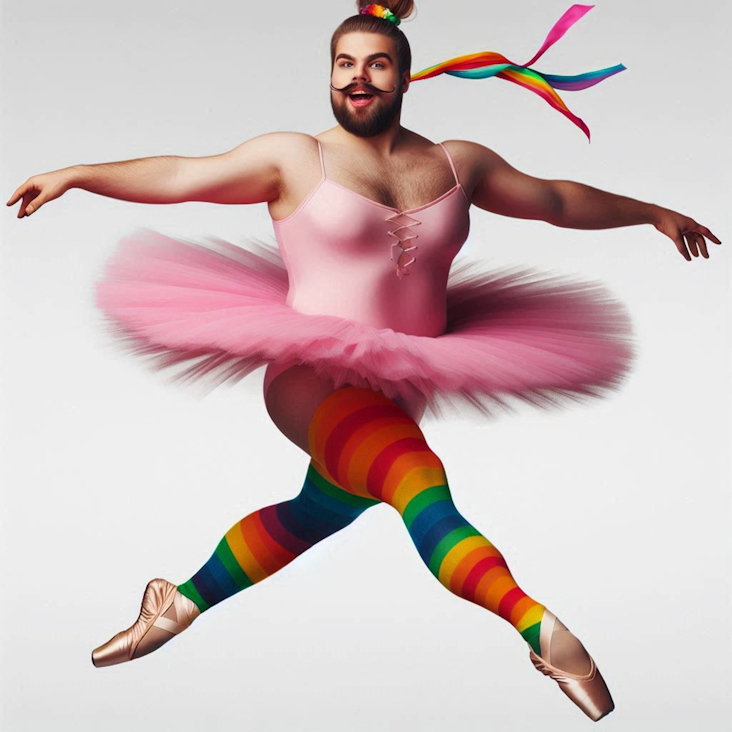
[{"x": 406, "y": 80}]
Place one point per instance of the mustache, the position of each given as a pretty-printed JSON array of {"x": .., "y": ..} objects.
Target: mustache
[{"x": 369, "y": 87}]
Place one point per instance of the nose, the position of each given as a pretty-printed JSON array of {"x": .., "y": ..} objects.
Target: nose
[{"x": 360, "y": 74}]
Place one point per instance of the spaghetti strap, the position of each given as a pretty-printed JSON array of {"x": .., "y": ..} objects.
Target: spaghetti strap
[
  {"x": 322, "y": 161},
  {"x": 452, "y": 165}
]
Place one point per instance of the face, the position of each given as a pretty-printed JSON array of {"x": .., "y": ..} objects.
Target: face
[{"x": 366, "y": 62}]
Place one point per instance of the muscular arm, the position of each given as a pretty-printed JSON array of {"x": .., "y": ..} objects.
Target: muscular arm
[
  {"x": 250, "y": 173},
  {"x": 506, "y": 191}
]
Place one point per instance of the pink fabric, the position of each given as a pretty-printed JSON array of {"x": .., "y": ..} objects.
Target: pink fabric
[
  {"x": 345, "y": 256},
  {"x": 333, "y": 297},
  {"x": 570, "y": 17}
]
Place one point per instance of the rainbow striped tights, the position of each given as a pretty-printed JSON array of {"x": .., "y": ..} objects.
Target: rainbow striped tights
[{"x": 366, "y": 450}]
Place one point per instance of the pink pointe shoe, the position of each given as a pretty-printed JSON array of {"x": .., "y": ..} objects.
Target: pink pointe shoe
[
  {"x": 588, "y": 691},
  {"x": 164, "y": 613}
]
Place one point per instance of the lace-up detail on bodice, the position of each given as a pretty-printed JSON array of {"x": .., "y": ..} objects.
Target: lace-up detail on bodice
[
  {"x": 349, "y": 255},
  {"x": 403, "y": 234}
]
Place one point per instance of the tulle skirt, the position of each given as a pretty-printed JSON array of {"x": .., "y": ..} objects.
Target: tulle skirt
[{"x": 212, "y": 312}]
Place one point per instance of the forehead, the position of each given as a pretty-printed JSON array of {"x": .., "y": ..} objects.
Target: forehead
[{"x": 360, "y": 45}]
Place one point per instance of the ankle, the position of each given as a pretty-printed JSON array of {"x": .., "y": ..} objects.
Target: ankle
[
  {"x": 191, "y": 608},
  {"x": 195, "y": 602},
  {"x": 182, "y": 610}
]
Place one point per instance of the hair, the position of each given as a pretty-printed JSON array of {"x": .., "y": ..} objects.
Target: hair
[{"x": 373, "y": 24}]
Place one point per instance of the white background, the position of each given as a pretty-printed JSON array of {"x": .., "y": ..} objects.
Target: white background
[{"x": 616, "y": 514}]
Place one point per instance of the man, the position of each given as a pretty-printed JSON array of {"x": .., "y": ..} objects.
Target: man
[{"x": 371, "y": 152}]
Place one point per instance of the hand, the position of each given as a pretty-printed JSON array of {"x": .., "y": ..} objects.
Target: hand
[
  {"x": 679, "y": 228},
  {"x": 39, "y": 189}
]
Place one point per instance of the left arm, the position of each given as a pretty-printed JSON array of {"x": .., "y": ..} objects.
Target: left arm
[{"x": 502, "y": 189}]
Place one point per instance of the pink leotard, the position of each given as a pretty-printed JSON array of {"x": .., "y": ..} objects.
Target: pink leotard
[{"x": 350, "y": 256}]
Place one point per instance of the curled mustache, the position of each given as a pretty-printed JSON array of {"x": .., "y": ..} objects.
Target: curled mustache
[{"x": 369, "y": 87}]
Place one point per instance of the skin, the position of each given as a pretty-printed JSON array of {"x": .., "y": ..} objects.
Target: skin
[{"x": 370, "y": 152}]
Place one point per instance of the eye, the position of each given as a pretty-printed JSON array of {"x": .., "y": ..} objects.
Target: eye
[{"x": 345, "y": 64}]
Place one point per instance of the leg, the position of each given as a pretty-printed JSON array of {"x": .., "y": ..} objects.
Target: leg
[
  {"x": 293, "y": 393},
  {"x": 365, "y": 443},
  {"x": 255, "y": 547},
  {"x": 372, "y": 448},
  {"x": 267, "y": 539}
]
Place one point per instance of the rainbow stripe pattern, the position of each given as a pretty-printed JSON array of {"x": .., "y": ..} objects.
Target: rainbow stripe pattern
[
  {"x": 380, "y": 11},
  {"x": 271, "y": 537},
  {"x": 363, "y": 442},
  {"x": 488, "y": 63}
]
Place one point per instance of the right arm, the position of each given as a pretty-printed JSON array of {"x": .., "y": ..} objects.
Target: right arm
[{"x": 250, "y": 173}]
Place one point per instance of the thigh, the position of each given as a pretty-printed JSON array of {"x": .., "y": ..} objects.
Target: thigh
[
  {"x": 291, "y": 399},
  {"x": 292, "y": 395}
]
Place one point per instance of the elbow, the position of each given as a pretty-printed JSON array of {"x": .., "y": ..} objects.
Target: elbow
[
  {"x": 176, "y": 187},
  {"x": 555, "y": 205}
]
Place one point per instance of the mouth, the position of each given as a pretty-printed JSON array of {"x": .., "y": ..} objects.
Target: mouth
[{"x": 360, "y": 99}]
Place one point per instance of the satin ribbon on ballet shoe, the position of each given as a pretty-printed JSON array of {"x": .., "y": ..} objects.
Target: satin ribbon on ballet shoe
[
  {"x": 140, "y": 639},
  {"x": 588, "y": 691}
]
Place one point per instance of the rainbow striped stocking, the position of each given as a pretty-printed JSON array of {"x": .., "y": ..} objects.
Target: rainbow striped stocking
[
  {"x": 268, "y": 539},
  {"x": 362, "y": 441}
]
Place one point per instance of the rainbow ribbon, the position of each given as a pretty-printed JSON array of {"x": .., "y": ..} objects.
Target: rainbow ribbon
[{"x": 486, "y": 64}]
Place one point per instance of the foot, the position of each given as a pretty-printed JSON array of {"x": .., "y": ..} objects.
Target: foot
[
  {"x": 567, "y": 652},
  {"x": 164, "y": 613},
  {"x": 564, "y": 659}
]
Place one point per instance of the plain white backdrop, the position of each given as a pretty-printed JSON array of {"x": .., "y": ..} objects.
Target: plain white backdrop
[{"x": 616, "y": 514}]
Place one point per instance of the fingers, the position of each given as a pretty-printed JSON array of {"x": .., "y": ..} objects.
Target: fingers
[
  {"x": 705, "y": 232},
  {"x": 694, "y": 239},
  {"x": 691, "y": 243},
  {"x": 702, "y": 245},
  {"x": 31, "y": 203},
  {"x": 34, "y": 205},
  {"x": 32, "y": 200},
  {"x": 696, "y": 242},
  {"x": 679, "y": 241},
  {"x": 18, "y": 193}
]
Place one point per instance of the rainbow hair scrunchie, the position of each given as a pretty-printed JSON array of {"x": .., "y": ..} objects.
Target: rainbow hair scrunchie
[
  {"x": 380, "y": 12},
  {"x": 486, "y": 64}
]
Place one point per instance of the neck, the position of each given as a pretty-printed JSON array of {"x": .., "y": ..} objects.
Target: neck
[{"x": 382, "y": 145}]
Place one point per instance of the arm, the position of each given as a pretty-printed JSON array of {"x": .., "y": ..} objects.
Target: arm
[
  {"x": 250, "y": 173},
  {"x": 506, "y": 191}
]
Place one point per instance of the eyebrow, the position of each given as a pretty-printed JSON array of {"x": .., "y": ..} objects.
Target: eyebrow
[{"x": 370, "y": 57}]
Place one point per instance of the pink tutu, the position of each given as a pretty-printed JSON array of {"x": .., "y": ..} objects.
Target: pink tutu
[{"x": 219, "y": 311}]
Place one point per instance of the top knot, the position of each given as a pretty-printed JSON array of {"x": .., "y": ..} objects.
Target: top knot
[{"x": 380, "y": 11}]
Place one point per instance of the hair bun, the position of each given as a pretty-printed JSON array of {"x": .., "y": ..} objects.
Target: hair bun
[{"x": 401, "y": 8}]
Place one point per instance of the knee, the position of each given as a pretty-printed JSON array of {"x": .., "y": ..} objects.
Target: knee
[
  {"x": 415, "y": 478},
  {"x": 327, "y": 501}
]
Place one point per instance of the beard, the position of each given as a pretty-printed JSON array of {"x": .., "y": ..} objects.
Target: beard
[{"x": 370, "y": 121}]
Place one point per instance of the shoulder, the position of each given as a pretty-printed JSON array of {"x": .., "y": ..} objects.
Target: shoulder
[
  {"x": 285, "y": 137},
  {"x": 471, "y": 154},
  {"x": 279, "y": 156},
  {"x": 283, "y": 146},
  {"x": 292, "y": 139},
  {"x": 473, "y": 161}
]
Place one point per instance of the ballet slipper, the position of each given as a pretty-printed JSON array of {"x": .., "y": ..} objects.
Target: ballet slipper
[
  {"x": 164, "y": 613},
  {"x": 588, "y": 691}
]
